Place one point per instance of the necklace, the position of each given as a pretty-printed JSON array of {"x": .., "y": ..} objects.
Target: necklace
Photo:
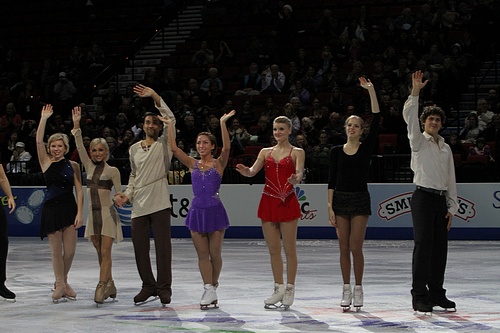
[{"x": 145, "y": 147}]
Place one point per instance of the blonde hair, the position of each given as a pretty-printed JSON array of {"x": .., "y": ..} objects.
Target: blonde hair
[
  {"x": 361, "y": 121},
  {"x": 283, "y": 119},
  {"x": 101, "y": 141},
  {"x": 59, "y": 136}
]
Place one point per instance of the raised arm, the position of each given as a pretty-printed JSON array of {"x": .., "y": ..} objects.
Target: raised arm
[
  {"x": 410, "y": 111},
  {"x": 226, "y": 141},
  {"x": 366, "y": 84},
  {"x": 186, "y": 160},
  {"x": 43, "y": 156},
  {"x": 77, "y": 133}
]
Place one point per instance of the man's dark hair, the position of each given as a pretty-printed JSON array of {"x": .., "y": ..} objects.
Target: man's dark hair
[{"x": 432, "y": 110}]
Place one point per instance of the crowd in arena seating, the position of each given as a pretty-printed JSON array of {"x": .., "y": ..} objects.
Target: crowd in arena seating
[{"x": 300, "y": 63}]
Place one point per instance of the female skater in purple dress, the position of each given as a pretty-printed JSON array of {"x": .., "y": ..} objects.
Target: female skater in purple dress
[{"x": 207, "y": 218}]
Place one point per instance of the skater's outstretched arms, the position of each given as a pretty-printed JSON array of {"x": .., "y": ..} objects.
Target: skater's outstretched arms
[{"x": 256, "y": 167}]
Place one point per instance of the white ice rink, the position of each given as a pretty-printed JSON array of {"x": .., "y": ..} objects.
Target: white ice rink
[{"x": 472, "y": 280}]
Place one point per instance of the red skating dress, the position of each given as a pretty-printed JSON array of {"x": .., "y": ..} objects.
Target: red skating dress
[{"x": 279, "y": 202}]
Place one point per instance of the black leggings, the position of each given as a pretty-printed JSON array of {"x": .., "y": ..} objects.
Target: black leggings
[{"x": 4, "y": 245}]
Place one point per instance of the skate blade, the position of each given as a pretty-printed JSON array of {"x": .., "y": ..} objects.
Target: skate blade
[
  {"x": 272, "y": 306},
  {"x": 70, "y": 298},
  {"x": 210, "y": 306},
  {"x": 9, "y": 300},
  {"x": 277, "y": 306},
  {"x": 422, "y": 313},
  {"x": 346, "y": 308},
  {"x": 106, "y": 301},
  {"x": 358, "y": 308},
  {"x": 445, "y": 310},
  {"x": 149, "y": 300},
  {"x": 59, "y": 300}
]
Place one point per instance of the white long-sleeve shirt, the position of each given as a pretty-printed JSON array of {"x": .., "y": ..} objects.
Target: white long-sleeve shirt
[
  {"x": 431, "y": 161},
  {"x": 147, "y": 188}
]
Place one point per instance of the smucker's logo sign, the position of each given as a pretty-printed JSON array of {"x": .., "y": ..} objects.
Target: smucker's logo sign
[{"x": 400, "y": 205}]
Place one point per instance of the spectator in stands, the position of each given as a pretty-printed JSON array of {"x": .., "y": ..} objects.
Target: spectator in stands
[
  {"x": 76, "y": 60},
  {"x": 457, "y": 147},
  {"x": 111, "y": 142},
  {"x": 112, "y": 100},
  {"x": 471, "y": 131},
  {"x": 493, "y": 100},
  {"x": 28, "y": 101},
  {"x": 11, "y": 121},
  {"x": 299, "y": 108},
  {"x": 9, "y": 146},
  {"x": 258, "y": 52},
  {"x": 321, "y": 117},
  {"x": 124, "y": 143},
  {"x": 96, "y": 59},
  {"x": 193, "y": 88},
  {"x": 341, "y": 49},
  {"x": 263, "y": 132},
  {"x": 336, "y": 102},
  {"x": 214, "y": 97},
  {"x": 335, "y": 129},
  {"x": 284, "y": 32},
  {"x": 225, "y": 56},
  {"x": 298, "y": 90},
  {"x": 353, "y": 30},
  {"x": 301, "y": 142},
  {"x": 64, "y": 91},
  {"x": 434, "y": 58},
  {"x": 19, "y": 159},
  {"x": 302, "y": 62},
  {"x": 312, "y": 79},
  {"x": 248, "y": 115},
  {"x": 204, "y": 57},
  {"x": 239, "y": 137},
  {"x": 318, "y": 157},
  {"x": 213, "y": 77},
  {"x": 480, "y": 148},
  {"x": 334, "y": 79},
  {"x": 399, "y": 75},
  {"x": 188, "y": 129},
  {"x": 214, "y": 128},
  {"x": 289, "y": 111},
  {"x": 169, "y": 85},
  {"x": 483, "y": 114},
  {"x": 273, "y": 80},
  {"x": 357, "y": 71},
  {"x": 311, "y": 132},
  {"x": 121, "y": 124},
  {"x": 251, "y": 83},
  {"x": 327, "y": 26}
]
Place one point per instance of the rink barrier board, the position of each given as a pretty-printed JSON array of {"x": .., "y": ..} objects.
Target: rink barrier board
[{"x": 478, "y": 216}]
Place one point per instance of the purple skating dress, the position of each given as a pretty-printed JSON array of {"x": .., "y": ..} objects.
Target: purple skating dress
[{"x": 207, "y": 213}]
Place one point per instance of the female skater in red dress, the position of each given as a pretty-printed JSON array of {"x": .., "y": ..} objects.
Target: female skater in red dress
[{"x": 279, "y": 208}]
